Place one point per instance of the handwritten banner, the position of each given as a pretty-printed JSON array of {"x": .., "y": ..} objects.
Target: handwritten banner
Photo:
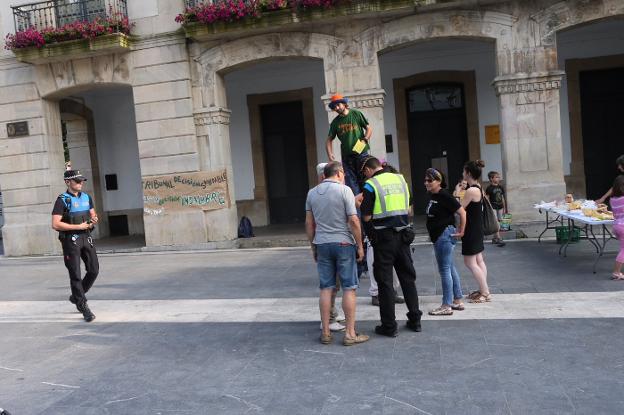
[{"x": 175, "y": 192}]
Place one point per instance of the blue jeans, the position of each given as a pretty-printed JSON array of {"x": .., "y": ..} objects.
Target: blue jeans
[
  {"x": 451, "y": 283},
  {"x": 352, "y": 165},
  {"x": 337, "y": 259}
]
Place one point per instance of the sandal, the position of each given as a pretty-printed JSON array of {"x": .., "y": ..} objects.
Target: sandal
[
  {"x": 441, "y": 311},
  {"x": 359, "y": 338},
  {"x": 474, "y": 295},
  {"x": 617, "y": 276},
  {"x": 482, "y": 299},
  {"x": 458, "y": 306},
  {"x": 326, "y": 339}
]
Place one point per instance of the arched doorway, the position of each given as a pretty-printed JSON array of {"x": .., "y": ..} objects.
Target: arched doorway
[
  {"x": 98, "y": 131},
  {"x": 440, "y": 101},
  {"x": 437, "y": 133},
  {"x": 279, "y": 119},
  {"x": 261, "y": 79},
  {"x": 592, "y": 102}
]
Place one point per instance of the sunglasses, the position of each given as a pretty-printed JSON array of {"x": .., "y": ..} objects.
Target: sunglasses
[{"x": 428, "y": 181}]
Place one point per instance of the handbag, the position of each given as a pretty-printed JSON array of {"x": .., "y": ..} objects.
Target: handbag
[{"x": 490, "y": 221}]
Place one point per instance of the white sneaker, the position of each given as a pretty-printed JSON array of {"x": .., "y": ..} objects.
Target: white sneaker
[{"x": 334, "y": 327}]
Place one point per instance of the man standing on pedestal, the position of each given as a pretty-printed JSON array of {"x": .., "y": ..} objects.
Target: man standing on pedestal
[{"x": 354, "y": 132}]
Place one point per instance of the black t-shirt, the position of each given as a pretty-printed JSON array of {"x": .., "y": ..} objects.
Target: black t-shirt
[
  {"x": 496, "y": 194},
  {"x": 59, "y": 205},
  {"x": 440, "y": 213}
]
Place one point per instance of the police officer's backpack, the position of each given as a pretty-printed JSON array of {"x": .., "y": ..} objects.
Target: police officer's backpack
[{"x": 245, "y": 229}]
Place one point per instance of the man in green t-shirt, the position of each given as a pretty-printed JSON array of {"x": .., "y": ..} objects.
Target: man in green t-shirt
[{"x": 354, "y": 132}]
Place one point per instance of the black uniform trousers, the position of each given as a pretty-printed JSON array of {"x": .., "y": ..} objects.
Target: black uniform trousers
[
  {"x": 76, "y": 247},
  {"x": 391, "y": 252}
]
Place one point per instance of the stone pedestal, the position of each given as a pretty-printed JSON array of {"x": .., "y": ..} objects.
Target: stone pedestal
[
  {"x": 213, "y": 143},
  {"x": 370, "y": 103},
  {"x": 530, "y": 140}
]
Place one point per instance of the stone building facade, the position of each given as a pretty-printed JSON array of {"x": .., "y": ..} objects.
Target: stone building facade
[{"x": 178, "y": 101}]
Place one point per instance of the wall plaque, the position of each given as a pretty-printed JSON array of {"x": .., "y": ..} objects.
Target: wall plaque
[
  {"x": 17, "y": 129},
  {"x": 492, "y": 134}
]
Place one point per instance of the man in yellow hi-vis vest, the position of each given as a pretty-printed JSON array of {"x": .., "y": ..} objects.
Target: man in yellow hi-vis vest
[{"x": 385, "y": 211}]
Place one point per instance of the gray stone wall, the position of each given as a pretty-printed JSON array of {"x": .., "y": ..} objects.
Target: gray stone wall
[{"x": 182, "y": 116}]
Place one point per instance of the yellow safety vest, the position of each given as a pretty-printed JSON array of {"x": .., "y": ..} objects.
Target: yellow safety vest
[{"x": 391, "y": 195}]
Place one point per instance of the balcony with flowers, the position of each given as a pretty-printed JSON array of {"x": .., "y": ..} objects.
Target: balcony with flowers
[
  {"x": 212, "y": 19},
  {"x": 57, "y": 30}
]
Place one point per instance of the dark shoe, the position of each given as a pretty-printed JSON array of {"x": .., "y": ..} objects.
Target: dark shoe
[
  {"x": 86, "y": 312},
  {"x": 73, "y": 300},
  {"x": 398, "y": 299},
  {"x": 498, "y": 242},
  {"x": 414, "y": 325},
  {"x": 382, "y": 331},
  {"x": 375, "y": 300}
]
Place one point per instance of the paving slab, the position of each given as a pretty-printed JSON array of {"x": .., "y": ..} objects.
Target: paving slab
[{"x": 236, "y": 332}]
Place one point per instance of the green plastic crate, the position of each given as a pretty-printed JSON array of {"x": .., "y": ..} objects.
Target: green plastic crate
[{"x": 563, "y": 234}]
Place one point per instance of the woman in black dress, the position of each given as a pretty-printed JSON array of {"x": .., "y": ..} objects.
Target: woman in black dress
[{"x": 472, "y": 241}]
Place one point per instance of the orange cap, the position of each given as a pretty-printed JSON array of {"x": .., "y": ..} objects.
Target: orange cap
[{"x": 336, "y": 99}]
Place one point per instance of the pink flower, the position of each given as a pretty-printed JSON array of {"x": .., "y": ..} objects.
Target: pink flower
[
  {"x": 114, "y": 23},
  {"x": 230, "y": 10}
]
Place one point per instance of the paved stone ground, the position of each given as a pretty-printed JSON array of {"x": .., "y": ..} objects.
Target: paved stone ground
[{"x": 236, "y": 332}]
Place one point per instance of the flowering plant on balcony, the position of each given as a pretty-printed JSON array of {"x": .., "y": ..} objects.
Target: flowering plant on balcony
[
  {"x": 225, "y": 11},
  {"x": 231, "y": 10},
  {"x": 115, "y": 23}
]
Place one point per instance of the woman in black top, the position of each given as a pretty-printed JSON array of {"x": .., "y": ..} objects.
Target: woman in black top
[
  {"x": 472, "y": 241},
  {"x": 441, "y": 226}
]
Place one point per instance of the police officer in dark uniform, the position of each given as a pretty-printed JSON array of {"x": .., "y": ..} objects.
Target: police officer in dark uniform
[
  {"x": 73, "y": 216},
  {"x": 385, "y": 212}
]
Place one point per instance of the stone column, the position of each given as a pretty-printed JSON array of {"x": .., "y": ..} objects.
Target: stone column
[
  {"x": 530, "y": 140},
  {"x": 31, "y": 173},
  {"x": 213, "y": 143}
]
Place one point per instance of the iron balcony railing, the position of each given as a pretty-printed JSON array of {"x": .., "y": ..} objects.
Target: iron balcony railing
[
  {"x": 194, "y": 3},
  {"x": 57, "y": 13}
]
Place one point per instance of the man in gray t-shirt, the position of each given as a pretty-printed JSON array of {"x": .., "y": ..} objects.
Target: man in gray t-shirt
[{"x": 333, "y": 228}]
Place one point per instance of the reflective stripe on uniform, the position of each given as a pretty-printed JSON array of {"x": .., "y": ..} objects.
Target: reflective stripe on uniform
[{"x": 380, "y": 209}]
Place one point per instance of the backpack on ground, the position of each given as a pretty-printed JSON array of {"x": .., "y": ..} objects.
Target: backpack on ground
[{"x": 245, "y": 229}]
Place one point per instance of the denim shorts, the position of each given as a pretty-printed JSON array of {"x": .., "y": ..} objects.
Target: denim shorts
[{"x": 337, "y": 259}]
